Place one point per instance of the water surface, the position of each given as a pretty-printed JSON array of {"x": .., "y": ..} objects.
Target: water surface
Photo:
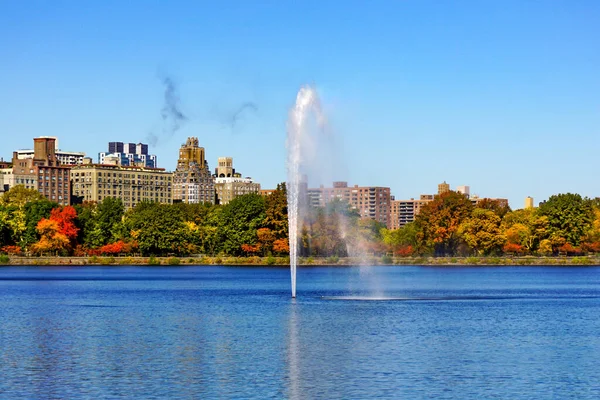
[{"x": 233, "y": 332}]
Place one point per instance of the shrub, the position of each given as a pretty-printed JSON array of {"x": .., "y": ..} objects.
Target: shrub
[
  {"x": 153, "y": 261},
  {"x": 270, "y": 260},
  {"x": 4, "y": 259},
  {"x": 107, "y": 261},
  {"x": 204, "y": 261},
  {"x": 387, "y": 259},
  {"x": 93, "y": 260},
  {"x": 173, "y": 261},
  {"x": 472, "y": 260},
  {"x": 333, "y": 260},
  {"x": 218, "y": 260}
]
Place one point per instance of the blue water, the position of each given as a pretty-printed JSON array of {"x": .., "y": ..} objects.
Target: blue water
[{"x": 352, "y": 333}]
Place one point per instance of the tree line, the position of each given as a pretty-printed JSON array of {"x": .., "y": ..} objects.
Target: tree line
[{"x": 253, "y": 225}]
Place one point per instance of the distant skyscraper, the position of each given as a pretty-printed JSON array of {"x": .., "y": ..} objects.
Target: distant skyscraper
[
  {"x": 465, "y": 190},
  {"x": 193, "y": 182},
  {"x": 128, "y": 154},
  {"x": 443, "y": 188},
  {"x": 528, "y": 202}
]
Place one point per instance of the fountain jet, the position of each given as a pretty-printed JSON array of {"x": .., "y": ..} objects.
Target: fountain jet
[{"x": 301, "y": 140}]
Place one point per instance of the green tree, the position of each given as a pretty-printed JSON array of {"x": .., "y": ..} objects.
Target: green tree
[
  {"x": 569, "y": 217},
  {"x": 238, "y": 222},
  {"x": 158, "y": 228},
  {"x": 19, "y": 196}
]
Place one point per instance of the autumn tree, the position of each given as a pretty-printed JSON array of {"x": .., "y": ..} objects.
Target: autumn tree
[
  {"x": 438, "y": 221},
  {"x": 52, "y": 240},
  {"x": 481, "y": 231},
  {"x": 276, "y": 213},
  {"x": 19, "y": 195}
]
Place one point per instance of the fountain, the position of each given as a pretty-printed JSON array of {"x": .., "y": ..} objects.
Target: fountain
[{"x": 300, "y": 148}]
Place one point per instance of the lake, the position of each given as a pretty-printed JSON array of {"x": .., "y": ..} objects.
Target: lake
[{"x": 352, "y": 333}]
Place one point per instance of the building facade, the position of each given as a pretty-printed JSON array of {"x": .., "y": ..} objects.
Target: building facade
[
  {"x": 405, "y": 211},
  {"x": 529, "y": 202},
  {"x": 133, "y": 185},
  {"x": 128, "y": 155},
  {"x": 372, "y": 202},
  {"x": 443, "y": 188},
  {"x": 43, "y": 171},
  {"x": 192, "y": 181},
  {"x": 63, "y": 157},
  {"x": 228, "y": 189}
]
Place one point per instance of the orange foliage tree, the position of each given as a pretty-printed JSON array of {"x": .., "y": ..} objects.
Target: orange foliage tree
[{"x": 281, "y": 246}]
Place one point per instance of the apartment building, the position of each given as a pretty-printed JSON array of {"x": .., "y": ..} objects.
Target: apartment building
[
  {"x": 42, "y": 171},
  {"x": 372, "y": 202},
  {"x": 95, "y": 182},
  {"x": 192, "y": 181}
]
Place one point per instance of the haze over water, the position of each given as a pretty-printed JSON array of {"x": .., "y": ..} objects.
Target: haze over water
[{"x": 231, "y": 332}]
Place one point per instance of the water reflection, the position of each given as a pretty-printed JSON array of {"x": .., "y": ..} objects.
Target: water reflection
[{"x": 235, "y": 333}]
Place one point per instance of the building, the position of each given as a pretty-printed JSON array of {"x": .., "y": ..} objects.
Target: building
[
  {"x": 475, "y": 200},
  {"x": 230, "y": 184},
  {"x": 6, "y": 176},
  {"x": 266, "y": 192},
  {"x": 193, "y": 182},
  {"x": 443, "y": 188},
  {"x": 465, "y": 190},
  {"x": 529, "y": 202},
  {"x": 228, "y": 189},
  {"x": 128, "y": 154},
  {"x": 225, "y": 168},
  {"x": 42, "y": 171},
  {"x": 371, "y": 202},
  {"x": 64, "y": 157},
  {"x": 405, "y": 211},
  {"x": 95, "y": 182}
]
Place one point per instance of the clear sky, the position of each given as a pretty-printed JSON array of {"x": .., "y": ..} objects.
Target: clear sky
[{"x": 503, "y": 96}]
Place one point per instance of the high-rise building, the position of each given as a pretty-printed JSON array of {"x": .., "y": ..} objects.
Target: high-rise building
[
  {"x": 529, "y": 202},
  {"x": 128, "y": 154},
  {"x": 372, "y": 202},
  {"x": 95, "y": 182},
  {"x": 64, "y": 157},
  {"x": 443, "y": 188},
  {"x": 43, "y": 171},
  {"x": 193, "y": 182},
  {"x": 405, "y": 211},
  {"x": 465, "y": 190},
  {"x": 225, "y": 168},
  {"x": 230, "y": 184}
]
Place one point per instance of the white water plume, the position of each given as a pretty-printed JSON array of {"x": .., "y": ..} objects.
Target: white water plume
[{"x": 301, "y": 150}]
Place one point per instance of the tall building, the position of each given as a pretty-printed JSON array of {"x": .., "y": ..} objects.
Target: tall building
[
  {"x": 95, "y": 182},
  {"x": 64, "y": 157},
  {"x": 128, "y": 154},
  {"x": 371, "y": 202},
  {"x": 529, "y": 202},
  {"x": 43, "y": 172},
  {"x": 225, "y": 168},
  {"x": 193, "y": 182},
  {"x": 405, "y": 211},
  {"x": 6, "y": 176},
  {"x": 230, "y": 184},
  {"x": 443, "y": 188},
  {"x": 465, "y": 190}
]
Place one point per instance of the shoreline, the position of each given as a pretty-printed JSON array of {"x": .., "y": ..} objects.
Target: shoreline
[{"x": 303, "y": 262}]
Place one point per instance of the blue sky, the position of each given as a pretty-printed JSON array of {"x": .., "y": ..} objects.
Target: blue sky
[{"x": 502, "y": 96}]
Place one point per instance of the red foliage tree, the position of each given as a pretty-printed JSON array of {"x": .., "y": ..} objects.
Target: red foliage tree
[
  {"x": 281, "y": 246},
  {"x": 250, "y": 249},
  {"x": 513, "y": 248},
  {"x": 65, "y": 218},
  {"x": 11, "y": 250},
  {"x": 404, "y": 251}
]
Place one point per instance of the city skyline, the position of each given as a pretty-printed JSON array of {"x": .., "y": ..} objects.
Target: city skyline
[{"x": 429, "y": 92}]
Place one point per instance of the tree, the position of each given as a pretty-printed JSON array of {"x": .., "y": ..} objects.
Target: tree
[
  {"x": 481, "y": 231},
  {"x": 19, "y": 196},
  {"x": 276, "y": 213},
  {"x": 525, "y": 227},
  {"x": 239, "y": 221},
  {"x": 498, "y": 207},
  {"x": 569, "y": 216},
  {"x": 157, "y": 228},
  {"x": 51, "y": 238},
  {"x": 438, "y": 222}
]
